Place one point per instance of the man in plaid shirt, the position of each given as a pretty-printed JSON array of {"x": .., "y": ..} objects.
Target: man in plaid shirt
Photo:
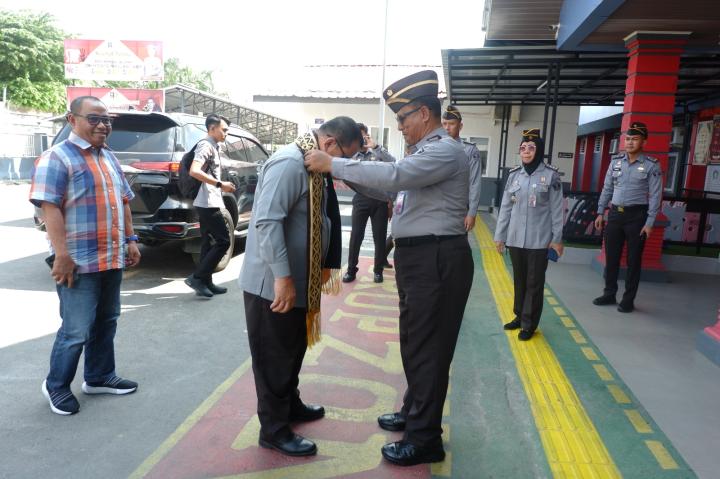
[{"x": 84, "y": 198}]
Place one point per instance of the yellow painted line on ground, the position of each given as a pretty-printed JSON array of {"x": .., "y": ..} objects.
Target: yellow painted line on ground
[
  {"x": 548, "y": 292},
  {"x": 618, "y": 394},
  {"x": 577, "y": 336},
  {"x": 662, "y": 455},
  {"x": 442, "y": 469},
  {"x": 188, "y": 424},
  {"x": 560, "y": 311},
  {"x": 603, "y": 372},
  {"x": 552, "y": 301},
  {"x": 638, "y": 422},
  {"x": 446, "y": 408},
  {"x": 567, "y": 322},
  {"x": 572, "y": 445},
  {"x": 590, "y": 353}
]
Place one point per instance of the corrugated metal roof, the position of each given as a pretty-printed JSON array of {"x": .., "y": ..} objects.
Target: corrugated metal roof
[{"x": 342, "y": 81}]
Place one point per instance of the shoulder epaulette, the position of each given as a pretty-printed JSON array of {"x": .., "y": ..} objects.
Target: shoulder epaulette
[
  {"x": 654, "y": 160},
  {"x": 515, "y": 169},
  {"x": 552, "y": 167},
  {"x": 617, "y": 156},
  {"x": 468, "y": 143},
  {"x": 433, "y": 138}
]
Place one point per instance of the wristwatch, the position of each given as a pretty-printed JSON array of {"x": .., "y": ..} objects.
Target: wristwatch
[
  {"x": 218, "y": 184},
  {"x": 132, "y": 238}
]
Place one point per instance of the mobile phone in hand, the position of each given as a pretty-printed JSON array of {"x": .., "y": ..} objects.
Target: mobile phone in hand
[
  {"x": 552, "y": 255},
  {"x": 50, "y": 260}
]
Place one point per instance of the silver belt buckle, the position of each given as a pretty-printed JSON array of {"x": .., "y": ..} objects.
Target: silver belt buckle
[{"x": 621, "y": 209}]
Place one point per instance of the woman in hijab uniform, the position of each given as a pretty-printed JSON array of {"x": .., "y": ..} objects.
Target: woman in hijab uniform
[{"x": 530, "y": 224}]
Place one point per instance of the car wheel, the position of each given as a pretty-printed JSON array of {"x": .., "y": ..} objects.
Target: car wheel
[{"x": 225, "y": 260}]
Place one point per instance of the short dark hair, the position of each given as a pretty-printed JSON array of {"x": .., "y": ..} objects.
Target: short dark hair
[
  {"x": 214, "y": 119},
  {"x": 432, "y": 103},
  {"x": 343, "y": 129},
  {"x": 77, "y": 103},
  {"x": 363, "y": 127}
]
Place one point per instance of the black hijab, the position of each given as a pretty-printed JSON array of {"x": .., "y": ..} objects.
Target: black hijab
[{"x": 539, "y": 153}]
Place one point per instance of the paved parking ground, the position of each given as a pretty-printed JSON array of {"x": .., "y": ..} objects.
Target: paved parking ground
[{"x": 552, "y": 407}]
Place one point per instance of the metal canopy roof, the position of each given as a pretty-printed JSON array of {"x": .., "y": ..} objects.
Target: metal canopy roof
[
  {"x": 270, "y": 130},
  {"x": 520, "y": 75}
]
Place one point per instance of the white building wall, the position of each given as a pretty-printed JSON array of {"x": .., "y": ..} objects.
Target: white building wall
[{"x": 477, "y": 120}]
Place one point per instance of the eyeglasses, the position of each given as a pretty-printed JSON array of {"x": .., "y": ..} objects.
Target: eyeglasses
[
  {"x": 401, "y": 118},
  {"x": 93, "y": 120},
  {"x": 528, "y": 148},
  {"x": 341, "y": 148}
]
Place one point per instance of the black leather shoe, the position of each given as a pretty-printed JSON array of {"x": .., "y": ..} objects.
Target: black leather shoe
[
  {"x": 291, "y": 445},
  {"x": 378, "y": 278},
  {"x": 604, "y": 299},
  {"x": 215, "y": 289},
  {"x": 514, "y": 324},
  {"x": 625, "y": 307},
  {"x": 524, "y": 334},
  {"x": 348, "y": 277},
  {"x": 387, "y": 265},
  {"x": 392, "y": 422},
  {"x": 197, "y": 284},
  {"x": 405, "y": 454},
  {"x": 306, "y": 412}
]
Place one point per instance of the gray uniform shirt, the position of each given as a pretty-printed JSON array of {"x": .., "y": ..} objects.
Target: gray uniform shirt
[
  {"x": 432, "y": 184},
  {"x": 276, "y": 244},
  {"x": 208, "y": 155},
  {"x": 475, "y": 176},
  {"x": 639, "y": 183},
  {"x": 531, "y": 212},
  {"x": 373, "y": 154}
]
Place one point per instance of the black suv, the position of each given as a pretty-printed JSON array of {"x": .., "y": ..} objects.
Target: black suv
[{"x": 149, "y": 147}]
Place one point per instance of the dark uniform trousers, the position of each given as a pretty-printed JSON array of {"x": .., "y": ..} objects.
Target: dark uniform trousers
[
  {"x": 624, "y": 227},
  {"x": 433, "y": 281},
  {"x": 377, "y": 211},
  {"x": 529, "y": 266},
  {"x": 277, "y": 344},
  {"x": 215, "y": 241}
]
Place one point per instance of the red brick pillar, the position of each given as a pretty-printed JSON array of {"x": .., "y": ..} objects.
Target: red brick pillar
[{"x": 654, "y": 62}]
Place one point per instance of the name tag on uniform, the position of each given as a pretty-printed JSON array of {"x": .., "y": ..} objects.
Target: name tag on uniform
[{"x": 399, "y": 203}]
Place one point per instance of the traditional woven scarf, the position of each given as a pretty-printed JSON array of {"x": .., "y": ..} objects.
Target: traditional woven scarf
[{"x": 315, "y": 287}]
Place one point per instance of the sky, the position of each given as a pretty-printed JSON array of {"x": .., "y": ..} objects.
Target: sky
[{"x": 248, "y": 44}]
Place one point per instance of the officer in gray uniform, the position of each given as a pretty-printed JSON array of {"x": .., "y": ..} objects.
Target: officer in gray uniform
[
  {"x": 530, "y": 224},
  {"x": 369, "y": 204},
  {"x": 433, "y": 261},
  {"x": 452, "y": 122},
  {"x": 633, "y": 184}
]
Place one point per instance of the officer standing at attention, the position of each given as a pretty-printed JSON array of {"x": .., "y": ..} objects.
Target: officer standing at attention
[
  {"x": 433, "y": 262},
  {"x": 369, "y": 204},
  {"x": 452, "y": 122},
  {"x": 530, "y": 221},
  {"x": 634, "y": 183}
]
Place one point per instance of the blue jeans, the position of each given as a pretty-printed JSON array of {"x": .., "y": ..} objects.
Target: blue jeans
[{"x": 89, "y": 312}]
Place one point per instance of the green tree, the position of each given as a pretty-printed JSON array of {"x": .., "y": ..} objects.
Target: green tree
[{"x": 31, "y": 60}]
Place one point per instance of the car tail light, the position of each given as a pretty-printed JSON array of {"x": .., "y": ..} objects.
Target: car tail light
[
  {"x": 171, "y": 228},
  {"x": 157, "y": 166}
]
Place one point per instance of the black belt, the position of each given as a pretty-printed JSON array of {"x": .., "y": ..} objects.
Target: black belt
[
  {"x": 629, "y": 209},
  {"x": 418, "y": 240}
]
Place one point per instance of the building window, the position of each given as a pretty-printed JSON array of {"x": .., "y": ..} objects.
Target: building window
[{"x": 598, "y": 143}]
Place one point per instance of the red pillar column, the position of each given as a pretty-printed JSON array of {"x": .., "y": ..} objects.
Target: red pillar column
[
  {"x": 708, "y": 342},
  {"x": 653, "y": 65}
]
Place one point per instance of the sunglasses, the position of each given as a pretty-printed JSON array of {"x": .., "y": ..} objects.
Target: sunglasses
[
  {"x": 401, "y": 118},
  {"x": 527, "y": 148},
  {"x": 94, "y": 120}
]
